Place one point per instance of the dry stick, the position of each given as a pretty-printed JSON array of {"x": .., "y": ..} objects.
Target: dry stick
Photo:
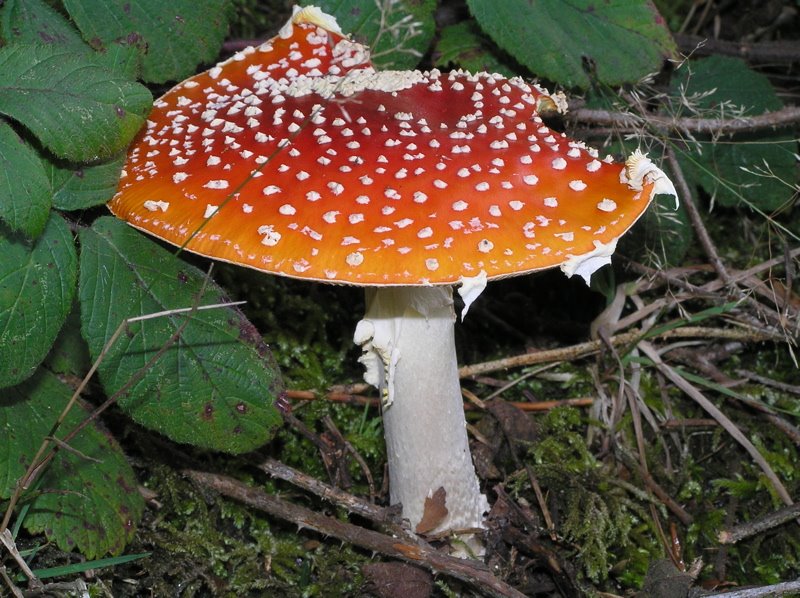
[
  {"x": 409, "y": 550},
  {"x": 15, "y": 591},
  {"x": 723, "y": 420},
  {"x": 626, "y": 122},
  {"x": 779, "y": 589},
  {"x": 360, "y": 400},
  {"x": 7, "y": 540},
  {"x": 772, "y": 52},
  {"x": 790, "y": 388},
  {"x": 708, "y": 245},
  {"x": 591, "y": 347},
  {"x": 742, "y": 275},
  {"x": 756, "y": 526},
  {"x": 685, "y": 192},
  {"x": 328, "y": 422},
  {"x": 353, "y": 504}
]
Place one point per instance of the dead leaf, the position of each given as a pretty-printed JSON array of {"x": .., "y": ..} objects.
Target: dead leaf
[{"x": 434, "y": 513}]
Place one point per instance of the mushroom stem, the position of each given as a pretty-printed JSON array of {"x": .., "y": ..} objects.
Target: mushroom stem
[{"x": 409, "y": 352}]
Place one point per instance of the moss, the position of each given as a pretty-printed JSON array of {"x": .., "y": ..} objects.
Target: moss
[{"x": 206, "y": 544}]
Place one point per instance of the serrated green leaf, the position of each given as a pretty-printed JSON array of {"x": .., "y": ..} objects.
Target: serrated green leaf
[
  {"x": 756, "y": 170},
  {"x": 24, "y": 189},
  {"x": 553, "y": 38},
  {"x": 37, "y": 285},
  {"x": 92, "y": 505},
  {"x": 178, "y": 35},
  {"x": 80, "y": 187},
  {"x": 398, "y": 32},
  {"x": 463, "y": 45},
  {"x": 719, "y": 81},
  {"x": 215, "y": 387},
  {"x": 36, "y": 22},
  {"x": 80, "y": 111}
]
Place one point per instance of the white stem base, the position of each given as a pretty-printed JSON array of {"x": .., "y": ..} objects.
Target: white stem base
[{"x": 409, "y": 352}]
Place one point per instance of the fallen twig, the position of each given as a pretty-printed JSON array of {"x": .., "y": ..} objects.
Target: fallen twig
[
  {"x": 766, "y": 52},
  {"x": 360, "y": 400},
  {"x": 353, "y": 504},
  {"x": 591, "y": 347},
  {"x": 686, "y": 195},
  {"x": 626, "y": 122},
  {"x": 410, "y": 550},
  {"x": 779, "y": 589},
  {"x": 756, "y": 526}
]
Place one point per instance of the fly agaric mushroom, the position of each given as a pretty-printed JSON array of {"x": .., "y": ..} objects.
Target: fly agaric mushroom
[{"x": 298, "y": 158}]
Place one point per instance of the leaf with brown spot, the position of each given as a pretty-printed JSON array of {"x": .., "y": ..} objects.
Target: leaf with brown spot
[
  {"x": 434, "y": 513},
  {"x": 212, "y": 386},
  {"x": 89, "y": 494}
]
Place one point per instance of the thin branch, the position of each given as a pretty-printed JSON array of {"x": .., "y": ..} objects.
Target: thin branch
[
  {"x": 351, "y": 503},
  {"x": 413, "y": 551},
  {"x": 7, "y": 540},
  {"x": 756, "y": 526},
  {"x": 591, "y": 347},
  {"x": 685, "y": 192},
  {"x": 779, "y": 589},
  {"x": 767, "y": 52},
  {"x": 622, "y": 122},
  {"x": 360, "y": 400}
]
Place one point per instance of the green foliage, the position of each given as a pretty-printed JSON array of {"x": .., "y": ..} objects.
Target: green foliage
[
  {"x": 174, "y": 36},
  {"x": 68, "y": 109},
  {"x": 397, "y": 31},
  {"x": 465, "y": 46},
  {"x": 623, "y": 40},
  {"x": 754, "y": 170},
  {"x": 88, "y": 499},
  {"x": 213, "y": 386},
  {"x": 79, "y": 110},
  {"x": 25, "y": 195},
  {"x": 37, "y": 284},
  {"x": 83, "y": 186}
]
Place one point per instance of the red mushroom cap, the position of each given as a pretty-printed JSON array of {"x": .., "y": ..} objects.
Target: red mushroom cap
[{"x": 298, "y": 158}]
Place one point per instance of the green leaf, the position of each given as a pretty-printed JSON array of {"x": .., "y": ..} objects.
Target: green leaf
[
  {"x": 24, "y": 189},
  {"x": 36, "y": 22},
  {"x": 80, "y": 187},
  {"x": 215, "y": 387},
  {"x": 719, "y": 81},
  {"x": 463, "y": 45},
  {"x": 178, "y": 35},
  {"x": 624, "y": 39},
  {"x": 719, "y": 87},
  {"x": 37, "y": 285},
  {"x": 93, "y": 504},
  {"x": 78, "y": 110},
  {"x": 398, "y": 32},
  {"x": 69, "y": 354}
]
